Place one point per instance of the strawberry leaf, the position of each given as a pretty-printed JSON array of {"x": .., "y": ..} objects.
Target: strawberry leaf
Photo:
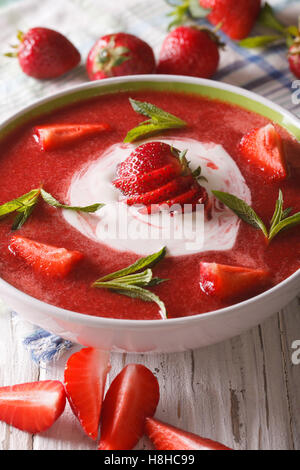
[
  {"x": 260, "y": 41},
  {"x": 159, "y": 121},
  {"x": 267, "y": 18},
  {"x": 197, "y": 11}
]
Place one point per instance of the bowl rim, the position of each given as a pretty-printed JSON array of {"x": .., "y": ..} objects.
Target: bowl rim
[{"x": 115, "y": 323}]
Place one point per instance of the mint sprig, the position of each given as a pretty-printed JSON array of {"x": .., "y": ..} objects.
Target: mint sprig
[
  {"x": 132, "y": 281},
  {"x": 159, "y": 121},
  {"x": 25, "y": 205},
  {"x": 268, "y": 19},
  {"x": 280, "y": 221},
  {"x": 49, "y": 199}
]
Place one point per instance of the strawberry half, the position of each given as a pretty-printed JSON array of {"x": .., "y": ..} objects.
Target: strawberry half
[
  {"x": 263, "y": 148},
  {"x": 229, "y": 282},
  {"x": 131, "y": 398},
  {"x": 166, "y": 437},
  {"x": 85, "y": 378},
  {"x": 47, "y": 259},
  {"x": 52, "y": 137},
  {"x": 32, "y": 407}
]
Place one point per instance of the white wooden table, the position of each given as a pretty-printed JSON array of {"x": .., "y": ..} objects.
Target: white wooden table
[{"x": 244, "y": 392}]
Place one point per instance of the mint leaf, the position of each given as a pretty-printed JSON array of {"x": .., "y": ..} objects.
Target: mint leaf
[
  {"x": 260, "y": 41},
  {"x": 160, "y": 120},
  {"x": 130, "y": 282},
  {"x": 285, "y": 224},
  {"x": 242, "y": 210},
  {"x": 49, "y": 199},
  {"x": 278, "y": 213},
  {"x": 24, "y": 205},
  {"x": 142, "y": 263}
]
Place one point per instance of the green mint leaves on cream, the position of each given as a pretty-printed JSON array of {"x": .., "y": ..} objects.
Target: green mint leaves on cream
[
  {"x": 24, "y": 205},
  {"x": 281, "y": 220},
  {"x": 134, "y": 280},
  {"x": 159, "y": 121}
]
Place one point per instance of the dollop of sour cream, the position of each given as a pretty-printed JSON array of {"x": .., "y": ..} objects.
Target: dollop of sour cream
[{"x": 125, "y": 228}]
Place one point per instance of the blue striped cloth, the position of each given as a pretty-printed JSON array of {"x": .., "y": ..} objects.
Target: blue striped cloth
[{"x": 83, "y": 21}]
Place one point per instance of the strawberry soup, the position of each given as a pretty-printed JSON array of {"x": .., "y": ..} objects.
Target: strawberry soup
[{"x": 82, "y": 174}]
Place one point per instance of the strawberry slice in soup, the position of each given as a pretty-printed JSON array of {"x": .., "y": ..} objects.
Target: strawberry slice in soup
[
  {"x": 52, "y": 137},
  {"x": 263, "y": 148},
  {"x": 231, "y": 282},
  {"x": 46, "y": 259}
]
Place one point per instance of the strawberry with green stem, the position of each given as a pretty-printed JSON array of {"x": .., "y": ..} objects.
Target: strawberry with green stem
[
  {"x": 45, "y": 54},
  {"x": 119, "y": 54}
]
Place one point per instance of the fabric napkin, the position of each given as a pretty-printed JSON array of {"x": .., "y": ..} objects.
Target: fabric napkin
[{"x": 83, "y": 21}]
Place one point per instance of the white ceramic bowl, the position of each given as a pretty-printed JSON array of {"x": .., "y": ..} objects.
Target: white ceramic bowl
[{"x": 157, "y": 335}]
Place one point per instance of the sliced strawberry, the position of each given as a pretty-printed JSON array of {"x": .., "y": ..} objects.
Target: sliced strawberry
[
  {"x": 163, "y": 193},
  {"x": 32, "y": 407},
  {"x": 139, "y": 184},
  {"x": 166, "y": 437},
  {"x": 146, "y": 158},
  {"x": 131, "y": 398},
  {"x": 47, "y": 259},
  {"x": 229, "y": 282},
  {"x": 85, "y": 377},
  {"x": 51, "y": 137},
  {"x": 264, "y": 148}
]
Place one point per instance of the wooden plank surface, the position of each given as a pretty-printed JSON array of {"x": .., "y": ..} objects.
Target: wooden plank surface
[{"x": 244, "y": 392}]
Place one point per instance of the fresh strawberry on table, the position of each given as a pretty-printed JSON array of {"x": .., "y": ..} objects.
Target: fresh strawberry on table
[
  {"x": 231, "y": 282},
  {"x": 167, "y": 437},
  {"x": 235, "y": 17},
  {"x": 190, "y": 50},
  {"x": 157, "y": 175},
  {"x": 294, "y": 57},
  {"x": 263, "y": 148},
  {"x": 32, "y": 407},
  {"x": 54, "y": 136},
  {"x": 131, "y": 398},
  {"x": 120, "y": 54},
  {"x": 44, "y": 53},
  {"x": 46, "y": 259},
  {"x": 85, "y": 378}
]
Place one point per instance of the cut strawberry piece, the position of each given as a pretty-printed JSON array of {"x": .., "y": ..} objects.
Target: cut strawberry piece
[
  {"x": 146, "y": 158},
  {"x": 54, "y": 136},
  {"x": 85, "y": 377},
  {"x": 131, "y": 398},
  {"x": 166, "y": 437},
  {"x": 163, "y": 193},
  {"x": 264, "y": 148},
  {"x": 229, "y": 282},
  {"x": 32, "y": 407},
  {"x": 149, "y": 181},
  {"x": 47, "y": 259}
]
